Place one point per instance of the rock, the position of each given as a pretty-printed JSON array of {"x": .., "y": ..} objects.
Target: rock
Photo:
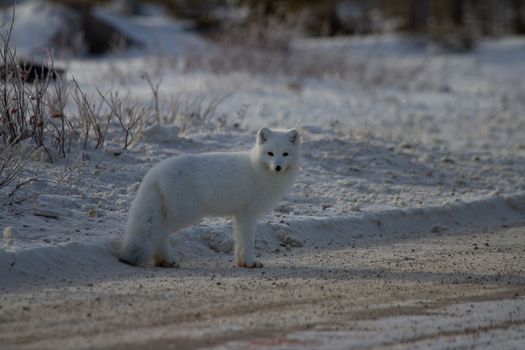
[
  {"x": 294, "y": 85},
  {"x": 31, "y": 72},
  {"x": 445, "y": 88},
  {"x": 221, "y": 246},
  {"x": 112, "y": 151},
  {"x": 122, "y": 203},
  {"x": 41, "y": 155},
  {"x": 134, "y": 187},
  {"x": 460, "y": 182},
  {"x": 46, "y": 213},
  {"x": 9, "y": 236},
  {"x": 438, "y": 229},
  {"x": 425, "y": 158},
  {"x": 288, "y": 240},
  {"x": 87, "y": 207}
]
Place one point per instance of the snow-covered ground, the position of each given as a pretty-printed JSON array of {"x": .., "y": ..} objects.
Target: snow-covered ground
[{"x": 399, "y": 140}]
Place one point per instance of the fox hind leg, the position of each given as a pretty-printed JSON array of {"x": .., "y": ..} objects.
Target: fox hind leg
[
  {"x": 136, "y": 250},
  {"x": 144, "y": 229},
  {"x": 164, "y": 256}
]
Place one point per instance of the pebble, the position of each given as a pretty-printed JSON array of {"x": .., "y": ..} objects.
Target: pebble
[
  {"x": 289, "y": 241},
  {"x": 225, "y": 246},
  {"x": 9, "y": 236},
  {"x": 41, "y": 155}
]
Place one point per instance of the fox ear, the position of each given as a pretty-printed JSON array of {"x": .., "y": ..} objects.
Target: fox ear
[
  {"x": 294, "y": 136},
  {"x": 263, "y": 135}
]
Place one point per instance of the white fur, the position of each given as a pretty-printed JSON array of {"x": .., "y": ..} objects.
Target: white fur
[{"x": 179, "y": 191}]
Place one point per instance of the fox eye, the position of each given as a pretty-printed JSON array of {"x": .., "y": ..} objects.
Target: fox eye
[
  {"x": 270, "y": 154},
  {"x": 285, "y": 154}
]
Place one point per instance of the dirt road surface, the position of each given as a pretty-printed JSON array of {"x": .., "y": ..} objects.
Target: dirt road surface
[{"x": 453, "y": 290}]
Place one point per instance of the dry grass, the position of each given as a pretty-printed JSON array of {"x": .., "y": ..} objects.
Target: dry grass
[{"x": 191, "y": 113}]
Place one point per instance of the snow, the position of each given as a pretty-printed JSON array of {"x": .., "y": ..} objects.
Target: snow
[
  {"x": 405, "y": 141},
  {"x": 403, "y": 148},
  {"x": 160, "y": 133}
]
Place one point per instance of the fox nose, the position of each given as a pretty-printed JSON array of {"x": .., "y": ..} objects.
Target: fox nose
[{"x": 278, "y": 168}]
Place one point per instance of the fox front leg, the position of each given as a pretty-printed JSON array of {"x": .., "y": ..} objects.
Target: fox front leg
[{"x": 245, "y": 242}]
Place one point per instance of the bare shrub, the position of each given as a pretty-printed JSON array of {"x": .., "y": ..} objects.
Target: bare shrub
[
  {"x": 90, "y": 117},
  {"x": 62, "y": 129},
  {"x": 24, "y": 96},
  {"x": 235, "y": 124},
  {"x": 37, "y": 109},
  {"x": 85, "y": 108},
  {"x": 271, "y": 47},
  {"x": 452, "y": 37},
  {"x": 155, "y": 94},
  {"x": 260, "y": 44},
  {"x": 129, "y": 115},
  {"x": 13, "y": 105},
  {"x": 13, "y": 114},
  {"x": 11, "y": 164}
]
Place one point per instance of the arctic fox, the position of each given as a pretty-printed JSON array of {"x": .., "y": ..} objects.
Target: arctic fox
[{"x": 179, "y": 191}]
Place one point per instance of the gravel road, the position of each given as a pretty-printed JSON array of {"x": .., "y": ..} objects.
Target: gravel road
[{"x": 442, "y": 289}]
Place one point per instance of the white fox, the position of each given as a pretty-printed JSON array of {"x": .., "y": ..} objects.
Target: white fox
[{"x": 179, "y": 191}]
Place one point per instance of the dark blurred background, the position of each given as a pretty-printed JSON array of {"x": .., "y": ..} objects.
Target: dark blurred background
[
  {"x": 445, "y": 20},
  {"x": 343, "y": 17},
  {"x": 452, "y": 24}
]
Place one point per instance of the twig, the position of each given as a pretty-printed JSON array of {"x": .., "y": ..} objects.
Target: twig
[
  {"x": 155, "y": 91},
  {"x": 19, "y": 185}
]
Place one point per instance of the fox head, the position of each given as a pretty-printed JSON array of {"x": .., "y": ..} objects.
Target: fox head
[{"x": 277, "y": 150}]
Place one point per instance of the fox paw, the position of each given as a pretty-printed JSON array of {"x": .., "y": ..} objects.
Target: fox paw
[
  {"x": 250, "y": 265},
  {"x": 166, "y": 263}
]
